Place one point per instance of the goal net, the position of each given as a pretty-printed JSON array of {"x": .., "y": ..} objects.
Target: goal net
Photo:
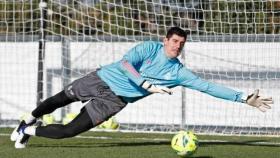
[{"x": 46, "y": 45}]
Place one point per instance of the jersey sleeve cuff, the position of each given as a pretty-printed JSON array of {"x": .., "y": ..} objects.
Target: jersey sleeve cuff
[{"x": 243, "y": 97}]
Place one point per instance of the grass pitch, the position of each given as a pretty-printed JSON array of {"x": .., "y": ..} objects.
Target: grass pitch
[{"x": 136, "y": 145}]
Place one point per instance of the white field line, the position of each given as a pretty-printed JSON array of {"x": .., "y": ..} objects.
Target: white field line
[{"x": 163, "y": 139}]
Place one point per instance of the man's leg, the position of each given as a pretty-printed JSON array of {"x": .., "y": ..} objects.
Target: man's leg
[
  {"x": 46, "y": 107},
  {"x": 78, "y": 125}
]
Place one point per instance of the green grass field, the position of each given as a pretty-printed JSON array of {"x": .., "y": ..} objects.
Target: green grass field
[{"x": 138, "y": 145}]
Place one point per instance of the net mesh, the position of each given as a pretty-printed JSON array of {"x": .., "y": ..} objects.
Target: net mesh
[{"x": 234, "y": 43}]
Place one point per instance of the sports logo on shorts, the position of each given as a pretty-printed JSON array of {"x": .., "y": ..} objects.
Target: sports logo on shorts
[{"x": 69, "y": 89}]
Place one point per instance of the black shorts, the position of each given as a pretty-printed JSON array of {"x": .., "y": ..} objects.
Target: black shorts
[{"x": 102, "y": 101}]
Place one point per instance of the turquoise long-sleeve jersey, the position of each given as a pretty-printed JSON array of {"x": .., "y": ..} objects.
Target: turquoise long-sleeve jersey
[{"x": 148, "y": 62}]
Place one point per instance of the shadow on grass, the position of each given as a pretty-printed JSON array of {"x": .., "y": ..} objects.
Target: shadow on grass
[
  {"x": 93, "y": 144},
  {"x": 106, "y": 145},
  {"x": 96, "y": 145},
  {"x": 115, "y": 145},
  {"x": 264, "y": 143}
]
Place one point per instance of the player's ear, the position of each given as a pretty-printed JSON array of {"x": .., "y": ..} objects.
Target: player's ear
[{"x": 165, "y": 40}]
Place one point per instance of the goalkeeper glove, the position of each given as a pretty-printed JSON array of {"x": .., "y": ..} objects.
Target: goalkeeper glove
[
  {"x": 156, "y": 89},
  {"x": 259, "y": 102}
]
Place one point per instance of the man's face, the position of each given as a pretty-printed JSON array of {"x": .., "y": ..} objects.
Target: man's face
[{"x": 173, "y": 45}]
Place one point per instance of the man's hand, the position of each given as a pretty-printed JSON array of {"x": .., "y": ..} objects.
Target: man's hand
[
  {"x": 261, "y": 103},
  {"x": 156, "y": 89}
]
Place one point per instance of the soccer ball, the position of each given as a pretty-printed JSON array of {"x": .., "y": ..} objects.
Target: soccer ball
[
  {"x": 68, "y": 118},
  {"x": 48, "y": 119},
  {"x": 111, "y": 123},
  {"x": 185, "y": 143}
]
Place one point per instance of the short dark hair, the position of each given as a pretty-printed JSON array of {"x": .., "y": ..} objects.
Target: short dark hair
[{"x": 176, "y": 30}]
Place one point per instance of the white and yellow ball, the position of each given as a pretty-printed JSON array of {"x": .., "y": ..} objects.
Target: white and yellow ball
[
  {"x": 48, "y": 119},
  {"x": 24, "y": 116},
  {"x": 185, "y": 143},
  {"x": 111, "y": 123},
  {"x": 68, "y": 118}
]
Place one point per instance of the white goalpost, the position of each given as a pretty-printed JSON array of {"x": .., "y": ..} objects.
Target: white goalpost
[{"x": 44, "y": 45}]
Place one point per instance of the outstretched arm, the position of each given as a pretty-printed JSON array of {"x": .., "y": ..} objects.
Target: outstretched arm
[{"x": 188, "y": 79}]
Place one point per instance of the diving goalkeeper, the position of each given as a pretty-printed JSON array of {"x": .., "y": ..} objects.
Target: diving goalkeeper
[{"x": 150, "y": 67}]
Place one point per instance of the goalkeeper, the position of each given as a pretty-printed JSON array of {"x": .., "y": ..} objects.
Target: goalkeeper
[{"x": 150, "y": 67}]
